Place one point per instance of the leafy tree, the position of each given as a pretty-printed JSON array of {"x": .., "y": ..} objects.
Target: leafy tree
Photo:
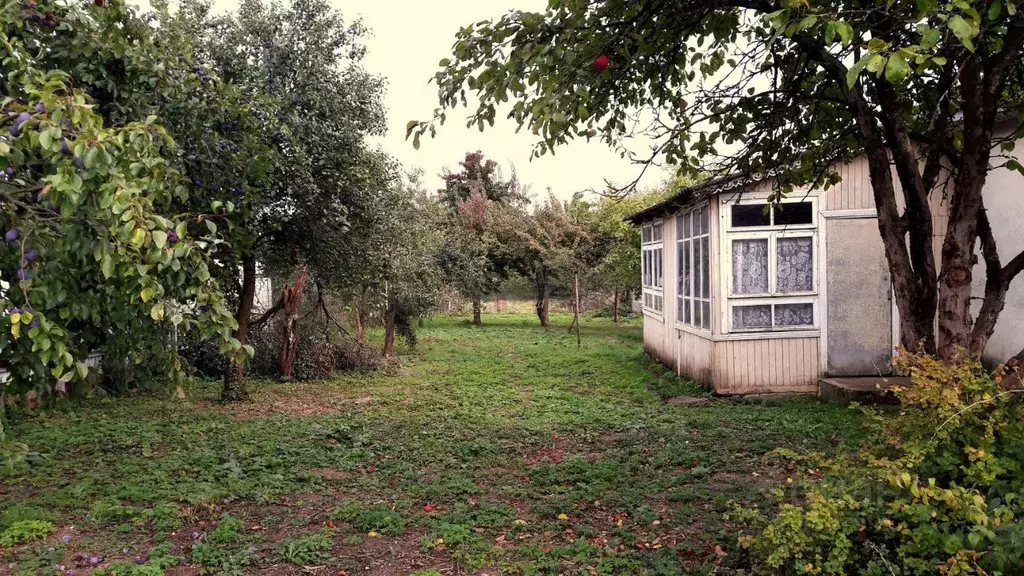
[
  {"x": 795, "y": 87},
  {"x": 412, "y": 280},
  {"x": 302, "y": 168},
  {"x": 472, "y": 259},
  {"x": 93, "y": 248}
]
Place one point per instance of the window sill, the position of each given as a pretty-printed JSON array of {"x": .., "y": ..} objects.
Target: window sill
[
  {"x": 769, "y": 335},
  {"x": 659, "y": 316},
  {"x": 699, "y": 332}
]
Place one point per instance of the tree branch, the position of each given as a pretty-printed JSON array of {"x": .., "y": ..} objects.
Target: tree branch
[{"x": 268, "y": 314}]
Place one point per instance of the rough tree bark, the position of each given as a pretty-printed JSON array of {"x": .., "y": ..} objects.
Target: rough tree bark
[
  {"x": 291, "y": 299},
  {"x": 234, "y": 376},
  {"x": 615, "y": 307},
  {"x": 477, "y": 307}
]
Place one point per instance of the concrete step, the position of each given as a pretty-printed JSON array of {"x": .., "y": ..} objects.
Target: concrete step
[{"x": 865, "y": 390}]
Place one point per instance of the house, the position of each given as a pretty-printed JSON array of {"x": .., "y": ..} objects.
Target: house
[{"x": 750, "y": 298}]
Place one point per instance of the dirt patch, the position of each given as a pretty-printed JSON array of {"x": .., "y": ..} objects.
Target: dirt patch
[
  {"x": 332, "y": 473},
  {"x": 297, "y": 400},
  {"x": 389, "y": 556}
]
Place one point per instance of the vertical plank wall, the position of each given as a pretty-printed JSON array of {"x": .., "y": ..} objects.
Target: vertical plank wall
[
  {"x": 694, "y": 357},
  {"x": 767, "y": 365},
  {"x": 854, "y": 192}
]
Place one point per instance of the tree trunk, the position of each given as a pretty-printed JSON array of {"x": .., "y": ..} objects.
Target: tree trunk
[
  {"x": 576, "y": 305},
  {"x": 234, "y": 376},
  {"x": 543, "y": 296},
  {"x": 389, "y": 331},
  {"x": 362, "y": 316},
  {"x": 615, "y": 307},
  {"x": 291, "y": 298},
  {"x": 477, "y": 307}
]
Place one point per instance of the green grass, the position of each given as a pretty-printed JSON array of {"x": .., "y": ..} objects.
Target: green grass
[{"x": 537, "y": 458}]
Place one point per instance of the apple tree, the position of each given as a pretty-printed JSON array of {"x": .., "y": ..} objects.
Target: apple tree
[{"x": 753, "y": 85}]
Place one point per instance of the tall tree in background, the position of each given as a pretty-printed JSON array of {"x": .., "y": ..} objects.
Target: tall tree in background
[
  {"x": 470, "y": 195},
  {"x": 795, "y": 87}
]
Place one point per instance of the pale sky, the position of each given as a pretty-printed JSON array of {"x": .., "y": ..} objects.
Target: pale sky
[{"x": 408, "y": 39}]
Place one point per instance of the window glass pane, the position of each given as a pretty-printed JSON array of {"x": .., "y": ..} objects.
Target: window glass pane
[
  {"x": 684, "y": 220},
  {"x": 750, "y": 266},
  {"x": 706, "y": 315},
  {"x": 697, "y": 280},
  {"x": 657, "y": 267},
  {"x": 647, "y": 300},
  {"x": 704, "y": 220},
  {"x": 681, "y": 226},
  {"x": 656, "y": 233},
  {"x": 697, "y": 313},
  {"x": 793, "y": 213},
  {"x": 745, "y": 317},
  {"x": 684, "y": 268},
  {"x": 705, "y": 269},
  {"x": 681, "y": 313},
  {"x": 794, "y": 314},
  {"x": 794, "y": 264},
  {"x": 750, "y": 215},
  {"x": 646, "y": 234},
  {"x": 657, "y": 303}
]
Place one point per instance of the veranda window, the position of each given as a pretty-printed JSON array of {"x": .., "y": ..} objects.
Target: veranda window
[
  {"x": 693, "y": 247},
  {"x": 772, "y": 274},
  {"x": 651, "y": 260}
]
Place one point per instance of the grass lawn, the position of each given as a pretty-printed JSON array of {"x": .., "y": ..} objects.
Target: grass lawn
[{"x": 495, "y": 449}]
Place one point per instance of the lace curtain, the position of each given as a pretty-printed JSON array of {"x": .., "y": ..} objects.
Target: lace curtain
[
  {"x": 794, "y": 263},
  {"x": 750, "y": 266},
  {"x": 752, "y": 316},
  {"x": 794, "y": 314}
]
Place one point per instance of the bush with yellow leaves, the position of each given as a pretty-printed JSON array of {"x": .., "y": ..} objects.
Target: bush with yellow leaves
[{"x": 936, "y": 490}]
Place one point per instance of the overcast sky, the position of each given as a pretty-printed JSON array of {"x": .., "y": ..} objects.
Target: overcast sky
[{"x": 409, "y": 38}]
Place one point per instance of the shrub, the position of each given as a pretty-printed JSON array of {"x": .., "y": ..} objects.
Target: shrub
[{"x": 937, "y": 491}]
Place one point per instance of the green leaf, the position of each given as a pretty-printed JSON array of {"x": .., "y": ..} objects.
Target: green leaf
[
  {"x": 44, "y": 139},
  {"x": 82, "y": 368},
  {"x": 157, "y": 313},
  {"x": 807, "y": 22},
  {"x": 845, "y": 32},
  {"x": 962, "y": 30},
  {"x": 147, "y": 293},
  {"x": 855, "y": 70},
  {"x": 994, "y": 10},
  {"x": 107, "y": 266},
  {"x": 876, "y": 63},
  {"x": 138, "y": 237},
  {"x": 896, "y": 69},
  {"x": 159, "y": 238}
]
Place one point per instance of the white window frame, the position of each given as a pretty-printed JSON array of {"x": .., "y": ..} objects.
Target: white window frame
[
  {"x": 694, "y": 240},
  {"x": 772, "y": 234},
  {"x": 652, "y": 267}
]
